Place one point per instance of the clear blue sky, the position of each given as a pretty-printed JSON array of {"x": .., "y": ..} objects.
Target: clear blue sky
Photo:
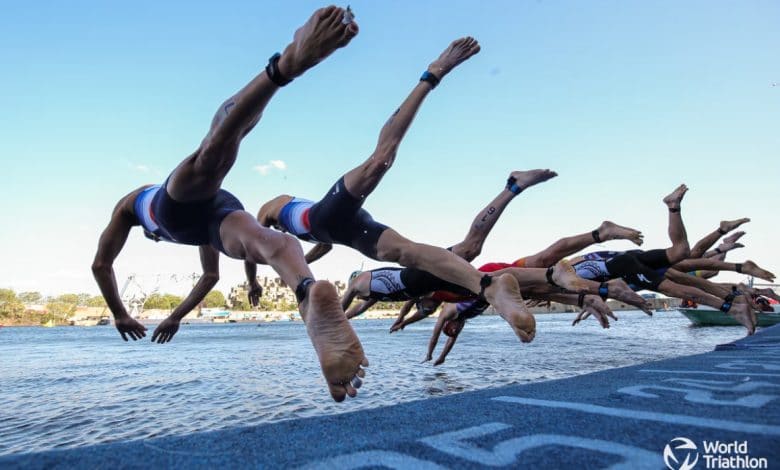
[{"x": 624, "y": 99}]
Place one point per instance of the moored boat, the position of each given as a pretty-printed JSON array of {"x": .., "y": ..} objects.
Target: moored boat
[{"x": 706, "y": 316}]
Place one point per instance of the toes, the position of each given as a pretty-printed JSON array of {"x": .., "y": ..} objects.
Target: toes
[
  {"x": 364, "y": 362},
  {"x": 356, "y": 382},
  {"x": 351, "y": 391},
  {"x": 338, "y": 392},
  {"x": 361, "y": 373}
]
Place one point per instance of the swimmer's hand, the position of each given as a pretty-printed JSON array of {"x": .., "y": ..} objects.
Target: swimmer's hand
[
  {"x": 165, "y": 330},
  {"x": 254, "y": 294},
  {"x": 583, "y": 315},
  {"x": 128, "y": 326}
]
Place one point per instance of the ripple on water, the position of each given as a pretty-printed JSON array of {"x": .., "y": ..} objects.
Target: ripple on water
[{"x": 75, "y": 386}]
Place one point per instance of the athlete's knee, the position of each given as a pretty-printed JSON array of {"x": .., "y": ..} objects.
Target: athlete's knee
[
  {"x": 679, "y": 252},
  {"x": 411, "y": 255},
  {"x": 268, "y": 245},
  {"x": 541, "y": 260},
  {"x": 401, "y": 253},
  {"x": 468, "y": 249},
  {"x": 383, "y": 157},
  {"x": 215, "y": 156}
]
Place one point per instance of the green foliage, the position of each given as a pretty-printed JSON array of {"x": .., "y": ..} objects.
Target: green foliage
[
  {"x": 162, "y": 301},
  {"x": 242, "y": 305},
  {"x": 71, "y": 299},
  {"x": 30, "y": 297},
  {"x": 10, "y": 305},
  {"x": 83, "y": 298},
  {"x": 96, "y": 301},
  {"x": 60, "y": 310},
  {"x": 214, "y": 299}
]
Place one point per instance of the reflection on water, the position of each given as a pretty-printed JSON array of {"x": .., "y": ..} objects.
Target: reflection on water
[{"x": 72, "y": 386}]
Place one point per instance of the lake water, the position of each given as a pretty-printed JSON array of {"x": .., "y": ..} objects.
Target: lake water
[{"x": 73, "y": 386}]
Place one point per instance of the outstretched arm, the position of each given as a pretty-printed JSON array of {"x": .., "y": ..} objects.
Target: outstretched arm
[
  {"x": 319, "y": 250},
  {"x": 405, "y": 308},
  {"x": 448, "y": 313},
  {"x": 446, "y": 350},
  {"x": 209, "y": 259},
  {"x": 112, "y": 240},
  {"x": 360, "y": 308}
]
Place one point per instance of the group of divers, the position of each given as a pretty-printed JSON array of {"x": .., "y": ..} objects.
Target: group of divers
[{"x": 191, "y": 208}]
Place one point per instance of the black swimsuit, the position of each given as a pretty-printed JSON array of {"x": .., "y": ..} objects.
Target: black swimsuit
[{"x": 188, "y": 223}]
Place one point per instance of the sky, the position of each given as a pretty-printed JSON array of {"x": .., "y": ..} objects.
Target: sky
[{"x": 625, "y": 100}]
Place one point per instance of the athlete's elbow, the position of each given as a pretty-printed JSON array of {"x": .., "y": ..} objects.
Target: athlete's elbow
[
  {"x": 210, "y": 278},
  {"x": 100, "y": 267}
]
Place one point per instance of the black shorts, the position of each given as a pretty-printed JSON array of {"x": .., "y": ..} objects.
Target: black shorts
[
  {"x": 196, "y": 222},
  {"x": 640, "y": 269},
  {"x": 420, "y": 282},
  {"x": 339, "y": 218}
]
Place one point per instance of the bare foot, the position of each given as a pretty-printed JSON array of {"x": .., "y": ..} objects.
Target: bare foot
[
  {"x": 729, "y": 225},
  {"x": 674, "y": 199},
  {"x": 612, "y": 231},
  {"x": 526, "y": 179},
  {"x": 724, "y": 247},
  {"x": 734, "y": 237},
  {"x": 457, "y": 52},
  {"x": 566, "y": 277},
  {"x": 747, "y": 297},
  {"x": 619, "y": 290},
  {"x": 751, "y": 269},
  {"x": 322, "y": 34},
  {"x": 338, "y": 348},
  {"x": 744, "y": 315},
  {"x": 504, "y": 295}
]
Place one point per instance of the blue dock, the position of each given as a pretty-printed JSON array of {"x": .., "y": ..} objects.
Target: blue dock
[{"x": 713, "y": 410}]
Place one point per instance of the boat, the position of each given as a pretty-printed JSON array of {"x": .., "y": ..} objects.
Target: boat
[
  {"x": 104, "y": 321},
  {"x": 706, "y": 316}
]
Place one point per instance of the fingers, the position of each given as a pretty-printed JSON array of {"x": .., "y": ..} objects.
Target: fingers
[
  {"x": 123, "y": 335},
  {"x": 602, "y": 320}
]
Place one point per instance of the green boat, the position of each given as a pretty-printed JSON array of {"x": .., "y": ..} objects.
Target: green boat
[{"x": 710, "y": 317}]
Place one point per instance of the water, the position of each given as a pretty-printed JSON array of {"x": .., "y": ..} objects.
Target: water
[{"x": 71, "y": 386}]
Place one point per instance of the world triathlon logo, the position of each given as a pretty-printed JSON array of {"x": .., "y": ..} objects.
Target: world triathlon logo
[{"x": 681, "y": 454}]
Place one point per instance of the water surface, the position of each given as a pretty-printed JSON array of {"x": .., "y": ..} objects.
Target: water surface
[{"x": 73, "y": 386}]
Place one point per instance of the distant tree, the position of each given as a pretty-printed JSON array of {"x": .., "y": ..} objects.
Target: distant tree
[
  {"x": 96, "y": 301},
  {"x": 30, "y": 297},
  {"x": 83, "y": 299},
  {"x": 60, "y": 310},
  {"x": 241, "y": 305},
  {"x": 154, "y": 301},
  {"x": 171, "y": 300},
  {"x": 72, "y": 299},
  {"x": 10, "y": 305},
  {"x": 214, "y": 299}
]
